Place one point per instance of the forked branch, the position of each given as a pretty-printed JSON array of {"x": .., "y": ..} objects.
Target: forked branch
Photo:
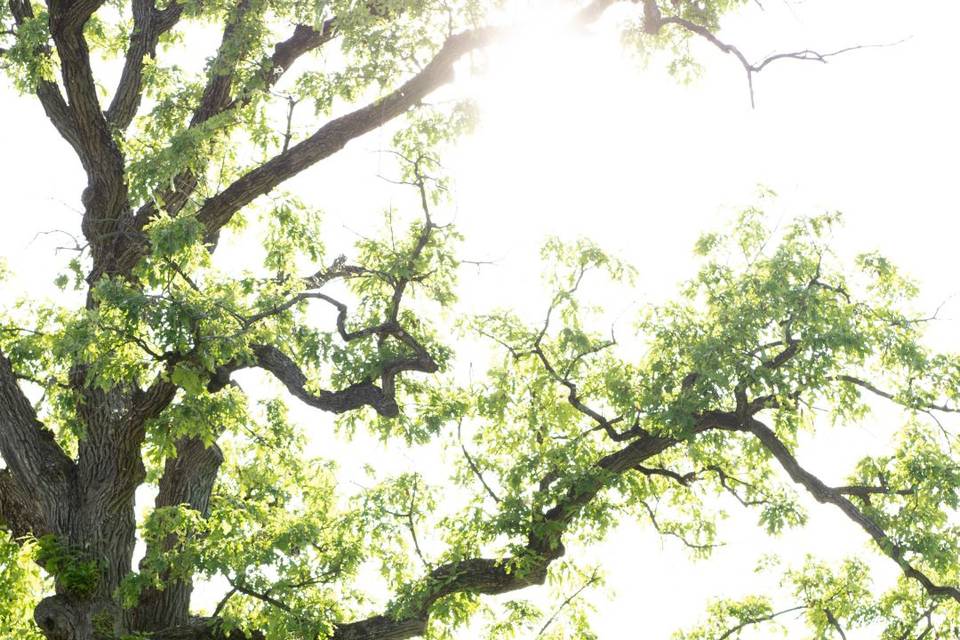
[{"x": 654, "y": 20}]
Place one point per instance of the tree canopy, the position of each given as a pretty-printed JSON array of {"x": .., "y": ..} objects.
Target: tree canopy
[{"x": 125, "y": 385}]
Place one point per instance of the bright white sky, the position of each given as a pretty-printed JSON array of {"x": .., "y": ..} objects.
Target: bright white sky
[{"x": 577, "y": 140}]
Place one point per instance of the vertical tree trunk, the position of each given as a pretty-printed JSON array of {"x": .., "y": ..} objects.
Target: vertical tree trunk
[
  {"x": 187, "y": 479},
  {"x": 97, "y": 524}
]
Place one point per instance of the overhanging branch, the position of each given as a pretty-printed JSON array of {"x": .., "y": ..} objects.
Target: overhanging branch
[
  {"x": 654, "y": 20},
  {"x": 213, "y": 103},
  {"x": 822, "y": 493},
  {"x": 217, "y": 210},
  {"x": 360, "y": 394}
]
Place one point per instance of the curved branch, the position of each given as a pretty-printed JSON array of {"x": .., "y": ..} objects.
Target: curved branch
[
  {"x": 360, "y": 394},
  {"x": 758, "y": 620},
  {"x": 653, "y": 20},
  {"x": 215, "y": 102},
  {"x": 47, "y": 91},
  {"x": 863, "y": 384},
  {"x": 822, "y": 493},
  {"x": 664, "y": 531},
  {"x": 473, "y": 465},
  {"x": 485, "y": 575}
]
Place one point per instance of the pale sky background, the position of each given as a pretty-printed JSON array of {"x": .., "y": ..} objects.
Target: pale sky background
[{"x": 577, "y": 140}]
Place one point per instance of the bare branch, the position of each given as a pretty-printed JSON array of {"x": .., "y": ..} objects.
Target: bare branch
[
  {"x": 669, "y": 532},
  {"x": 653, "y": 20},
  {"x": 590, "y": 581},
  {"x": 807, "y": 54},
  {"x": 758, "y": 620},
  {"x": 863, "y": 384},
  {"x": 473, "y": 465}
]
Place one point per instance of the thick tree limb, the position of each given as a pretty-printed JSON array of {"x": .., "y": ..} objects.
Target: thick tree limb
[
  {"x": 304, "y": 38},
  {"x": 485, "y": 575},
  {"x": 66, "y": 26},
  {"x": 39, "y": 473},
  {"x": 476, "y": 575},
  {"x": 216, "y": 93},
  {"x": 71, "y": 15},
  {"x": 48, "y": 92},
  {"x": 19, "y": 512},
  {"x": 380, "y": 398},
  {"x": 148, "y": 25},
  {"x": 865, "y": 492},
  {"x": 215, "y": 101},
  {"x": 82, "y": 123},
  {"x": 217, "y": 210}
]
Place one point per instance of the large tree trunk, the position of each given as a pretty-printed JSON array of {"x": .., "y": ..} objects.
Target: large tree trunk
[{"x": 94, "y": 520}]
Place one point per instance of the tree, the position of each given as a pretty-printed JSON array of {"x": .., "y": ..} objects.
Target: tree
[{"x": 131, "y": 384}]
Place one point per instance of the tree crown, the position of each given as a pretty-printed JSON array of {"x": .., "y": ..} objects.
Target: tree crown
[{"x": 129, "y": 380}]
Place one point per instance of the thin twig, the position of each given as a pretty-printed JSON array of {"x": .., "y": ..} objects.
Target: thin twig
[{"x": 593, "y": 578}]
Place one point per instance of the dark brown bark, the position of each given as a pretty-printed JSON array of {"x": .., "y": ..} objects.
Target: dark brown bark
[
  {"x": 380, "y": 398},
  {"x": 486, "y": 575},
  {"x": 19, "y": 512},
  {"x": 39, "y": 476},
  {"x": 48, "y": 92},
  {"x": 217, "y": 210}
]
